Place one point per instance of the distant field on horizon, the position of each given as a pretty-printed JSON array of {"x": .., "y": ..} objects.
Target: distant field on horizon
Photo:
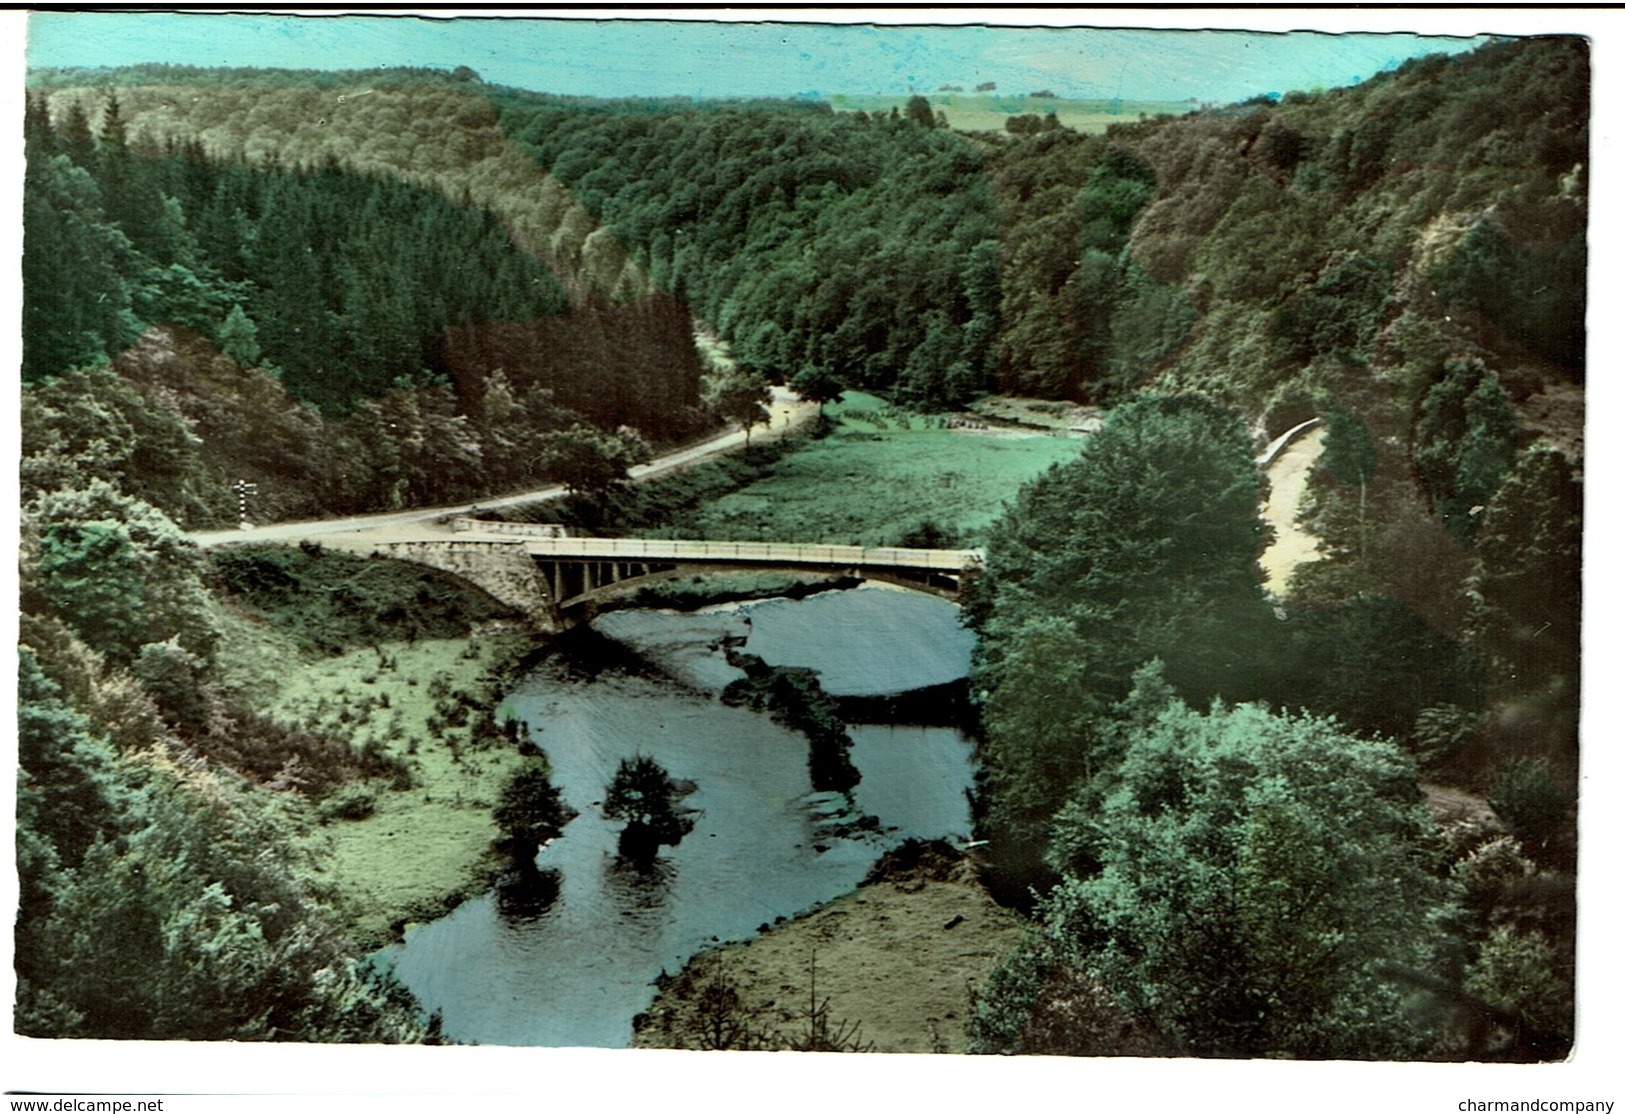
[{"x": 987, "y": 112}]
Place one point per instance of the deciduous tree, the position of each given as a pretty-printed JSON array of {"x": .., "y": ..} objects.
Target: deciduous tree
[
  {"x": 1524, "y": 617},
  {"x": 737, "y": 395},
  {"x": 1144, "y": 547},
  {"x": 644, "y": 798},
  {"x": 591, "y": 461},
  {"x": 120, "y": 572},
  {"x": 529, "y": 811},
  {"x": 818, "y": 384},
  {"x": 1465, "y": 440},
  {"x": 1265, "y": 886}
]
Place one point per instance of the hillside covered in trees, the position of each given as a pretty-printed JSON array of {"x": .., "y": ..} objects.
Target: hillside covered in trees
[{"x": 370, "y": 291}]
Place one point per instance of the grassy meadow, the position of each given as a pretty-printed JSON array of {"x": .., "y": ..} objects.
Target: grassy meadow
[
  {"x": 391, "y": 852},
  {"x": 877, "y": 479}
]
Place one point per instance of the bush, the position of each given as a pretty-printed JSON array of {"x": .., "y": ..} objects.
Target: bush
[
  {"x": 644, "y": 797},
  {"x": 928, "y": 534},
  {"x": 354, "y": 801},
  {"x": 1529, "y": 799},
  {"x": 1034, "y": 1005},
  {"x": 1485, "y": 872},
  {"x": 1440, "y": 734},
  {"x": 1522, "y": 975},
  {"x": 329, "y": 601},
  {"x": 529, "y": 810},
  {"x": 170, "y": 676}
]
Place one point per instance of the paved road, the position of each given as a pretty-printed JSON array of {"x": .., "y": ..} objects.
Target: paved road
[{"x": 788, "y": 413}]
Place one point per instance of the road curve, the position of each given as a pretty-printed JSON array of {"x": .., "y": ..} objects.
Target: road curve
[{"x": 789, "y": 412}]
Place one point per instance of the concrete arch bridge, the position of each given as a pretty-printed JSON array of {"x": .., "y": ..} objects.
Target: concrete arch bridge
[{"x": 557, "y": 579}]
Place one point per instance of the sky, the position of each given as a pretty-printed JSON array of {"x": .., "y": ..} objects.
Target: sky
[{"x": 699, "y": 57}]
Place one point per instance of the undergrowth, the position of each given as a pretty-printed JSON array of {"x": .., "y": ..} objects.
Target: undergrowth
[{"x": 327, "y": 602}]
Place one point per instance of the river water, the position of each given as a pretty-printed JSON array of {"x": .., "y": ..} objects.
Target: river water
[{"x": 764, "y": 846}]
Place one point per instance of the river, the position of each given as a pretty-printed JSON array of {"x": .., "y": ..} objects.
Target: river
[{"x": 764, "y": 847}]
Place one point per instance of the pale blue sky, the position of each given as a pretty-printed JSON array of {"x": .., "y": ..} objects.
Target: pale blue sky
[{"x": 632, "y": 57}]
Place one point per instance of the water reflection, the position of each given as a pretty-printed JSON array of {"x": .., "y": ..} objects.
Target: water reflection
[{"x": 638, "y": 890}]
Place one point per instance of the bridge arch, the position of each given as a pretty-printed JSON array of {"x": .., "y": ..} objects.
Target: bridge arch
[{"x": 609, "y": 581}]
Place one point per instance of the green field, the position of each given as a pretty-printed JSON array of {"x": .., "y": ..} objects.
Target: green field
[
  {"x": 987, "y": 112},
  {"x": 419, "y": 848},
  {"x": 877, "y": 478}
]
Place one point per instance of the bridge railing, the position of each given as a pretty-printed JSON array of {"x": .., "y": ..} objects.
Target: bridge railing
[{"x": 657, "y": 549}]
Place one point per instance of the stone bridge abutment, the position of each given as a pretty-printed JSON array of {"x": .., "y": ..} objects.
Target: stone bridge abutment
[{"x": 502, "y": 569}]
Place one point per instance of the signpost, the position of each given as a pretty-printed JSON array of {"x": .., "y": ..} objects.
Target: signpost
[{"x": 244, "y": 489}]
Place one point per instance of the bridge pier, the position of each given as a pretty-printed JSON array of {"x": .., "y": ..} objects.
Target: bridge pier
[{"x": 574, "y": 579}]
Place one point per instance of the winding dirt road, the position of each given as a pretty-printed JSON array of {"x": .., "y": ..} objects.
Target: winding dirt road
[{"x": 1288, "y": 476}]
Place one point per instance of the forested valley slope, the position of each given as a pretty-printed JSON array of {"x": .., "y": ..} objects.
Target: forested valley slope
[{"x": 369, "y": 291}]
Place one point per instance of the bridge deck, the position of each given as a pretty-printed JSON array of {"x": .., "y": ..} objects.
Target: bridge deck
[{"x": 768, "y": 553}]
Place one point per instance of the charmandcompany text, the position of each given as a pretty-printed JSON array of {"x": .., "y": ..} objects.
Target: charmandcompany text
[{"x": 1540, "y": 1106}]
